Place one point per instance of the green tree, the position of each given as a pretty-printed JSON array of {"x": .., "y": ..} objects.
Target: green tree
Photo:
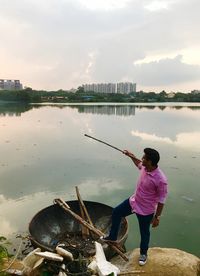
[{"x": 80, "y": 89}]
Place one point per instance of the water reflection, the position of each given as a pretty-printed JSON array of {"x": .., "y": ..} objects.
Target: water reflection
[
  {"x": 124, "y": 110},
  {"x": 120, "y": 110},
  {"x": 44, "y": 155},
  {"x": 185, "y": 140},
  {"x": 16, "y": 214},
  {"x": 13, "y": 109}
]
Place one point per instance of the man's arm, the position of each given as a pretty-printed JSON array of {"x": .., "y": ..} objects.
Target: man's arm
[
  {"x": 156, "y": 218},
  {"x": 135, "y": 160}
]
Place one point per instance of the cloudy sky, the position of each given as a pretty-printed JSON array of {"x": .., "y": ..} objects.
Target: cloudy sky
[{"x": 60, "y": 44}]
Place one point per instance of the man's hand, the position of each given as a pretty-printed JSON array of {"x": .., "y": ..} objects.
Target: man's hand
[
  {"x": 155, "y": 222},
  {"x": 128, "y": 153},
  {"x": 156, "y": 218},
  {"x": 132, "y": 156}
]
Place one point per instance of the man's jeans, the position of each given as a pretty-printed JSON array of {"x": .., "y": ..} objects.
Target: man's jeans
[{"x": 123, "y": 210}]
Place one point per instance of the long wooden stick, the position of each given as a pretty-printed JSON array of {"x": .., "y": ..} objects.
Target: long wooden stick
[
  {"x": 103, "y": 142},
  {"x": 88, "y": 216},
  {"x": 85, "y": 230},
  {"x": 83, "y": 206},
  {"x": 89, "y": 219},
  {"x": 132, "y": 272},
  {"x": 63, "y": 204}
]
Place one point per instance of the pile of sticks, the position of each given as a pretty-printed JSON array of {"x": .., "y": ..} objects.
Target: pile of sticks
[{"x": 86, "y": 222}]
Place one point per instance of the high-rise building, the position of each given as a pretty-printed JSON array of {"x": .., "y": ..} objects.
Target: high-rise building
[
  {"x": 10, "y": 85},
  {"x": 126, "y": 87},
  {"x": 195, "y": 92},
  {"x": 121, "y": 87},
  {"x": 100, "y": 87}
]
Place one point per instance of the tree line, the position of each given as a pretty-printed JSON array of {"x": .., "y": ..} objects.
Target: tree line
[{"x": 29, "y": 95}]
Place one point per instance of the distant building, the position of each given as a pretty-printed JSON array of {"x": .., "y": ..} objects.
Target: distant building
[
  {"x": 122, "y": 87},
  {"x": 100, "y": 87},
  {"x": 126, "y": 87},
  {"x": 10, "y": 85},
  {"x": 195, "y": 92}
]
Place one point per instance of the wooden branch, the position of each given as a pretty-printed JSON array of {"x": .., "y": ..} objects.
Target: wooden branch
[
  {"x": 132, "y": 272},
  {"x": 83, "y": 206},
  {"x": 84, "y": 230},
  {"x": 62, "y": 204}
]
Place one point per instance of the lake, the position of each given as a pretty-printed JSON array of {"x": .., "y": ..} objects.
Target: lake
[{"x": 44, "y": 155}]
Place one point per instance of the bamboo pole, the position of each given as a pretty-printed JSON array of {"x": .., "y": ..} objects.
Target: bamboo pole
[
  {"x": 103, "y": 142},
  {"x": 66, "y": 207}
]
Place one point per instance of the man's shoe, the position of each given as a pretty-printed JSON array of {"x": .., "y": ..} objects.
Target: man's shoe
[
  {"x": 113, "y": 242},
  {"x": 107, "y": 239},
  {"x": 142, "y": 259}
]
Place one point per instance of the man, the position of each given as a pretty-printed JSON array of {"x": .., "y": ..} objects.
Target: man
[{"x": 147, "y": 202}]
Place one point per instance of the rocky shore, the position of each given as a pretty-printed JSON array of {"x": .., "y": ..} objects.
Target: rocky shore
[{"x": 161, "y": 262}]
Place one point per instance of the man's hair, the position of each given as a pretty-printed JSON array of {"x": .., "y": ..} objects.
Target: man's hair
[{"x": 152, "y": 155}]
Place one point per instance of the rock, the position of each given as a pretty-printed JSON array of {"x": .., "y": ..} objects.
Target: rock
[{"x": 161, "y": 262}]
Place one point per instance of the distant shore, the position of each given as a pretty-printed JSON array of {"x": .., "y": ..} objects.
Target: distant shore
[{"x": 34, "y": 96}]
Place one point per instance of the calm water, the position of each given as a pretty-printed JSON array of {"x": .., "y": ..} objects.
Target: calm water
[{"x": 44, "y": 155}]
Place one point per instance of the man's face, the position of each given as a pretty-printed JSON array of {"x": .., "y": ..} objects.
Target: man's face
[{"x": 145, "y": 161}]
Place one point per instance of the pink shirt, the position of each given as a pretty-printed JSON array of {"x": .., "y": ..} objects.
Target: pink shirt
[{"x": 151, "y": 189}]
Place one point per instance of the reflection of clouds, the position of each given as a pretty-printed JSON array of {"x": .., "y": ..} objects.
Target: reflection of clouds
[
  {"x": 182, "y": 139},
  {"x": 98, "y": 186},
  {"x": 89, "y": 130},
  {"x": 190, "y": 139},
  {"x": 6, "y": 227},
  {"x": 151, "y": 137},
  {"x": 2, "y": 199},
  {"x": 15, "y": 215},
  {"x": 84, "y": 124}
]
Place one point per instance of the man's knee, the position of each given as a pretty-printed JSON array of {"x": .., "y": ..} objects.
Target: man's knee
[{"x": 116, "y": 211}]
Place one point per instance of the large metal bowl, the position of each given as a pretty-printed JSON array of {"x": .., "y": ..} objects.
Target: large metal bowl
[{"x": 52, "y": 222}]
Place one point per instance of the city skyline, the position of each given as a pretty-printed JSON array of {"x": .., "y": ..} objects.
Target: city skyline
[
  {"x": 52, "y": 45},
  {"x": 119, "y": 87},
  {"x": 6, "y": 84}
]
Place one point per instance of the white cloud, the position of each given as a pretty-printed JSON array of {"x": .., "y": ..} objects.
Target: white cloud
[
  {"x": 104, "y": 4},
  {"x": 189, "y": 56},
  {"x": 53, "y": 41},
  {"x": 157, "y": 5},
  {"x": 166, "y": 71}
]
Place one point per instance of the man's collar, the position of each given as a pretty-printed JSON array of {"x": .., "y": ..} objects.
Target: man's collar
[{"x": 152, "y": 172}]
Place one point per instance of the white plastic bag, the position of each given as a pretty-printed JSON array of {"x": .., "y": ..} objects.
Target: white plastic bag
[
  {"x": 32, "y": 261},
  {"x": 100, "y": 264}
]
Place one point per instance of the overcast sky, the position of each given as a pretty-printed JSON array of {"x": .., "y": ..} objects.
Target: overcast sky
[{"x": 60, "y": 44}]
